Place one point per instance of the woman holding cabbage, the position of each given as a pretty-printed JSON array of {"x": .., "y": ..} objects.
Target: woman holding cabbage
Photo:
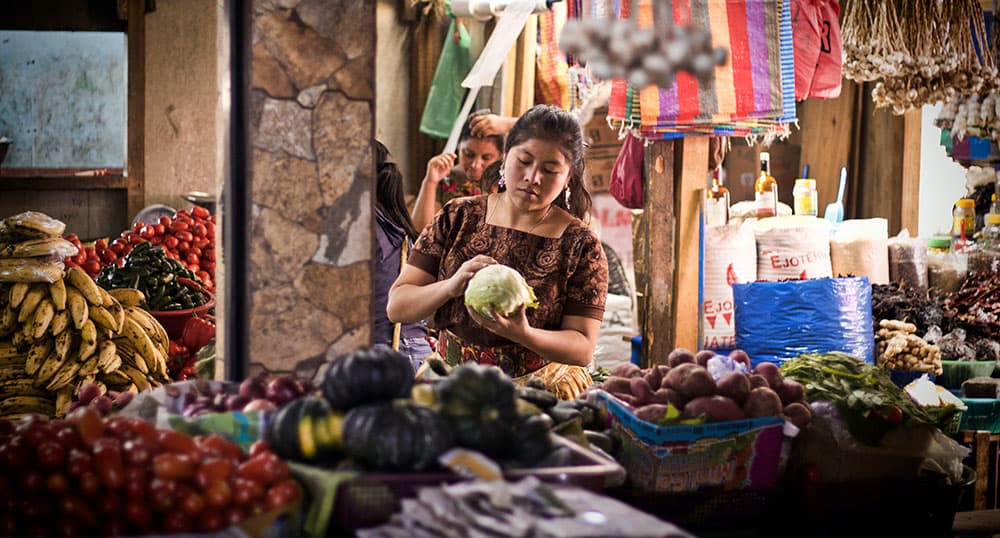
[{"x": 533, "y": 226}]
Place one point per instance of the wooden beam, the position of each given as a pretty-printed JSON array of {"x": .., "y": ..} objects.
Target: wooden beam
[
  {"x": 45, "y": 183},
  {"x": 524, "y": 76},
  {"x": 427, "y": 40},
  {"x": 136, "y": 158},
  {"x": 658, "y": 252},
  {"x": 910, "y": 188},
  {"x": 690, "y": 180},
  {"x": 829, "y": 127}
]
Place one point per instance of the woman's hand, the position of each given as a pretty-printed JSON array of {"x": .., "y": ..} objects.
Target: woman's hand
[
  {"x": 489, "y": 125},
  {"x": 459, "y": 280},
  {"x": 438, "y": 167},
  {"x": 510, "y": 327}
]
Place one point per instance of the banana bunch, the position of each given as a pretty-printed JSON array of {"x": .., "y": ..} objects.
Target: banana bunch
[{"x": 56, "y": 337}]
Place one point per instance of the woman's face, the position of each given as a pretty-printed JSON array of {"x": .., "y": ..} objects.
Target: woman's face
[
  {"x": 536, "y": 172},
  {"x": 475, "y": 154}
]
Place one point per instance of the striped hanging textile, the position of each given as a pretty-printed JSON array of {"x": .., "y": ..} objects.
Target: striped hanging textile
[
  {"x": 551, "y": 75},
  {"x": 752, "y": 95}
]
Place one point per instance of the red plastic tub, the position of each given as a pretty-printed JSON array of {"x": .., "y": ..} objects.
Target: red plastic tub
[{"x": 173, "y": 320}]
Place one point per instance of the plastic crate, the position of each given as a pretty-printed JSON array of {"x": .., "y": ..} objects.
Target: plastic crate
[
  {"x": 982, "y": 414},
  {"x": 955, "y": 372},
  {"x": 371, "y": 498},
  {"x": 730, "y": 455}
]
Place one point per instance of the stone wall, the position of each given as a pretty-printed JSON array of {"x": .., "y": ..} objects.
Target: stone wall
[{"x": 311, "y": 123}]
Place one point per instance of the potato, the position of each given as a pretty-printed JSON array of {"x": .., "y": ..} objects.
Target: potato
[
  {"x": 798, "y": 413},
  {"x": 627, "y": 398},
  {"x": 757, "y": 380},
  {"x": 641, "y": 390},
  {"x": 770, "y": 372},
  {"x": 762, "y": 402},
  {"x": 664, "y": 369},
  {"x": 617, "y": 384},
  {"x": 701, "y": 358},
  {"x": 715, "y": 408},
  {"x": 679, "y": 356},
  {"x": 653, "y": 413},
  {"x": 790, "y": 391},
  {"x": 625, "y": 370},
  {"x": 736, "y": 386},
  {"x": 654, "y": 376},
  {"x": 669, "y": 396},
  {"x": 691, "y": 381},
  {"x": 739, "y": 355}
]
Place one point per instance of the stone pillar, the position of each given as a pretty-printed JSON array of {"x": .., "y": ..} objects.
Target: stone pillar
[{"x": 311, "y": 127}]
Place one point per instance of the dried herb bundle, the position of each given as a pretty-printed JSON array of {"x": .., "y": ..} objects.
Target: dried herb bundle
[
  {"x": 976, "y": 306},
  {"x": 903, "y": 303}
]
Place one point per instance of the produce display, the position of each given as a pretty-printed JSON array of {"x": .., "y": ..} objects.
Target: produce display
[
  {"x": 899, "y": 348},
  {"x": 31, "y": 249},
  {"x": 685, "y": 392},
  {"x": 93, "y": 476},
  {"x": 164, "y": 282},
  {"x": 976, "y": 306},
  {"x": 259, "y": 393},
  {"x": 188, "y": 237},
  {"x": 866, "y": 397}
]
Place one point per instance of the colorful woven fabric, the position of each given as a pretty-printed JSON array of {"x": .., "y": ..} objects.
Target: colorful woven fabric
[
  {"x": 752, "y": 94},
  {"x": 551, "y": 86}
]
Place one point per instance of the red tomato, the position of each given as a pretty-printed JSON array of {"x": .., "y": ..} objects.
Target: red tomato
[
  {"x": 179, "y": 226},
  {"x": 197, "y": 332},
  {"x": 184, "y": 236},
  {"x": 147, "y": 232},
  {"x": 157, "y": 240},
  {"x": 92, "y": 267},
  {"x": 170, "y": 242},
  {"x": 259, "y": 447},
  {"x": 57, "y": 483},
  {"x": 177, "y": 522},
  {"x": 68, "y": 437},
  {"x": 137, "y": 513},
  {"x": 109, "y": 463},
  {"x": 191, "y": 259},
  {"x": 135, "y": 239},
  {"x": 260, "y": 468},
  {"x": 203, "y": 275},
  {"x": 88, "y": 423},
  {"x": 281, "y": 494},
  {"x": 218, "y": 494},
  {"x": 160, "y": 229},
  {"x": 178, "y": 349},
  {"x": 198, "y": 229},
  {"x": 246, "y": 491},
  {"x": 109, "y": 256},
  {"x": 183, "y": 246},
  {"x": 76, "y": 507},
  {"x": 109, "y": 502},
  {"x": 217, "y": 445},
  {"x": 166, "y": 221},
  {"x": 202, "y": 243},
  {"x": 50, "y": 455},
  {"x": 100, "y": 244},
  {"x": 211, "y": 521},
  {"x": 176, "y": 466},
  {"x": 72, "y": 238},
  {"x": 235, "y": 515},
  {"x": 192, "y": 504},
  {"x": 138, "y": 451},
  {"x": 178, "y": 443},
  {"x": 200, "y": 212},
  {"x": 88, "y": 483},
  {"x": 79, "y": 462},
  {"x": 211, "y": 471},
  {"x": 195, "y": 251},
  {"x": 33, "y": 480}
]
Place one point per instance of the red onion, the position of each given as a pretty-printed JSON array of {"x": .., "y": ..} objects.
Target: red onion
[{"x": 259, "y": 404}]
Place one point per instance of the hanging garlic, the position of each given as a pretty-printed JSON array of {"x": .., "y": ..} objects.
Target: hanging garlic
[{"x": 958, "y": 128}]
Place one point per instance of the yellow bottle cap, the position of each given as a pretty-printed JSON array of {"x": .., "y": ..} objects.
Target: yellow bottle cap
[
  {"x": 966, "y": 203},
  {"x": 808, "y": 183},
  {"x": 993, "y": 218}
]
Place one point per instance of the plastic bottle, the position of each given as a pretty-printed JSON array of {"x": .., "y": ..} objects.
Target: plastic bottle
[
  {"x": 716, "y": 201},
  {"x": 806, "y": 197},
  {"x": 766, "y": 189},
  {"x": 963, "y": 224}
]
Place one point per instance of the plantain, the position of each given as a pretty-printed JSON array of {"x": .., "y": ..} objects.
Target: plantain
[
  {"x": 57, "y": 291},
  {"x": 138, "y": 378},
  {"x": 59, "y": 322},
  {"x": 131, "y": 357},
  {"x": 64, "y": 376},
  {"x": 88, "y": 339},
  {"x": 17, "y": 292},
  {"x": 8, "y": 351},
  {"x": 20, "y": 341},
  {"x": 86, "y": 285},
  {"x": 103, "y": 318},
  {"x": 13, "y": 372},
  {"x": 152, "y": 327},
  {"x": 78, "y": 309},
  {"x": 107, "y": 352},
  {"x": 42, "y": 319},
  {"x": 143, "y": 344},
  {"x": 119, "y": 314},
  {"x": 64, "y": 397},
  {"x": 50, "y": 365},
  {"x": 128, "y": 296},
  {"x": 30, "y": 302},
  {"x": 8, "y": 322},
  {"x": 89, "y": 366},
  {"x": 115, "y": 378},
  {"x": 22, "y": 404},
  {"x": 106, "y": 299}
]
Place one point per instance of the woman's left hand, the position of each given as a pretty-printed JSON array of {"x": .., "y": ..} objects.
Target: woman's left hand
[{"x": 510, "y": 327}]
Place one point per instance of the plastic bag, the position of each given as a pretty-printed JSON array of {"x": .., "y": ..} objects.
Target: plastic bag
[
  {"x": 32, "y": 248},
  {"x": 626, "y": 175},
  {"x": 858, "y": 248},
  {"x": 907, "y": 260},
  {"x": 444, "y": 100},
  {"x": 30, "y": 270},
  {"x": 34, "y": 224},
  {"x": 816, "y": 35},
  {"x": 777, "y": 321},
  {"x": 721, "y": 365}
]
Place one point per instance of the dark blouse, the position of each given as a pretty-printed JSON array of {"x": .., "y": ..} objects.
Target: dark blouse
[{"x": 569, "y": 274}]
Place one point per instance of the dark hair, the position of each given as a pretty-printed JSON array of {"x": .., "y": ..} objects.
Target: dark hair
[
  {"x": 466, "y": 132},
  {"x": 491, "y": 177},
  {"x": 389, "y": 191},
  {"x": 552, "y": 123}
]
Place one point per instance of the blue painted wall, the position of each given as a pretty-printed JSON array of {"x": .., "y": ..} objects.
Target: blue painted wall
[{"x": 63, "y": 98}]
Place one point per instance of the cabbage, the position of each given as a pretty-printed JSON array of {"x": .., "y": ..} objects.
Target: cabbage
[{"x": 500, "y": 286}]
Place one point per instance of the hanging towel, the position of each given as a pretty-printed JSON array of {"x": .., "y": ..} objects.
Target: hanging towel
[{"x": 444, "y": 101}]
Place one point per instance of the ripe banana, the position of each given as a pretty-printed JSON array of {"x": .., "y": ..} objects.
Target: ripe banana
[
  {"x": 8, "y": 351},
  {"x": 64, "y": 376},
  {"x": 78, "y": 309},
  {"x": 116, "y": 378},
  {"x": 64, "y": 342},
  {"x": 138, "y": 378},
  {"x": 103, "y": 318},
  {"x": 13, "y": 406},
  {"x": 89, "y": 367},
  {"x": 143, "y": 344},
  {"x": 88, "y": 339},
  {"x": 20, "y": 341},
  {"x": 57, "y": 291},
  {"x": 86, "y": 285},
  {"x": 128, "y": 296},
  {"x": 14, "y": 371},
  {"x": 152, "y": 327},
  {"x": 50, "y": 365},
  {"x": 17, "y": 292},
  {"x": 8, "y": 321},
  {"x": 59, "y": 322},
  {"x": 42, "y": 319},
  {"x": 131, "y": 357},
  {"x": 30, "y": 302},
  {"x": 107, "y": 353},
  {"x": 119, "y": 314},
  {"x": 106, "y": 299},
  {"x": 64, "y": 397}
]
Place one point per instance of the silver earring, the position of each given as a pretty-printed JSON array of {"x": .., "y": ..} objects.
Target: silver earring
[
  {"x": 502, "y": 183},
  {"x": 567, "y": 197}
]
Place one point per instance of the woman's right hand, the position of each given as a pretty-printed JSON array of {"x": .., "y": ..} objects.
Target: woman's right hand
[
  {"x": 438, "y": 167},
  {"x": 459, "y": 280}
]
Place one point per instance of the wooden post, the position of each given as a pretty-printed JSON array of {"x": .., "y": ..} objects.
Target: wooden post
[
  {"x": 690, "y": 179},
  {"x": 136, "y": 123},
  {"x": 657, "y": 284},
  {"x": 518, "y": 71},
  {"x": 910, "y": 184}
]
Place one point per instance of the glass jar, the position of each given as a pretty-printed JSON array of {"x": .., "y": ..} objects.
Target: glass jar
[
  {"x": 806, "y": 197},
  {"x": 986, "y": 258},
  {"x": 963, "y": 224}
]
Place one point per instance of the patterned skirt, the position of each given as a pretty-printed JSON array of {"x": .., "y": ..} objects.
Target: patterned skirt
[{"x": 564, "y": 380}]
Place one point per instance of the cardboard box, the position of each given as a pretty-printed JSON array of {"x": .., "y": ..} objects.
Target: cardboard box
[{"x": 602, "y": 151}]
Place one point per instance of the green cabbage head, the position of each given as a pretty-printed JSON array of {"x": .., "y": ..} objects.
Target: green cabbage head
[{"x": 500, "y": 286}]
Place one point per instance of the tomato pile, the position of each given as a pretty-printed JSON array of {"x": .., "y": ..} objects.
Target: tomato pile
[
  {"x": 90, "y": 476},
  {"x": 188, "y": 236},
  {"x": 183, "y": 352}
]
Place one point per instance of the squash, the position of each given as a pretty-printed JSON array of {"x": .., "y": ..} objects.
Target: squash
[
  {"x": 306, "y": 430},
  {"x": 367, "y": 375},
  {"x": 480, "y": 403},
  {"x": 398, "y": 436},
  {"x": 532, "y": 440}
]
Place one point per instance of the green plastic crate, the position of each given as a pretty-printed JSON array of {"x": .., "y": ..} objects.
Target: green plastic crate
[
  {"x": 982, "y": 414},
  {"x": 955, "y": 372}
]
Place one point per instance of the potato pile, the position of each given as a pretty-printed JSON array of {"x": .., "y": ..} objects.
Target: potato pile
[
  {"x": 899, "y": 348},
  {"x": 684, "y": 392}
]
